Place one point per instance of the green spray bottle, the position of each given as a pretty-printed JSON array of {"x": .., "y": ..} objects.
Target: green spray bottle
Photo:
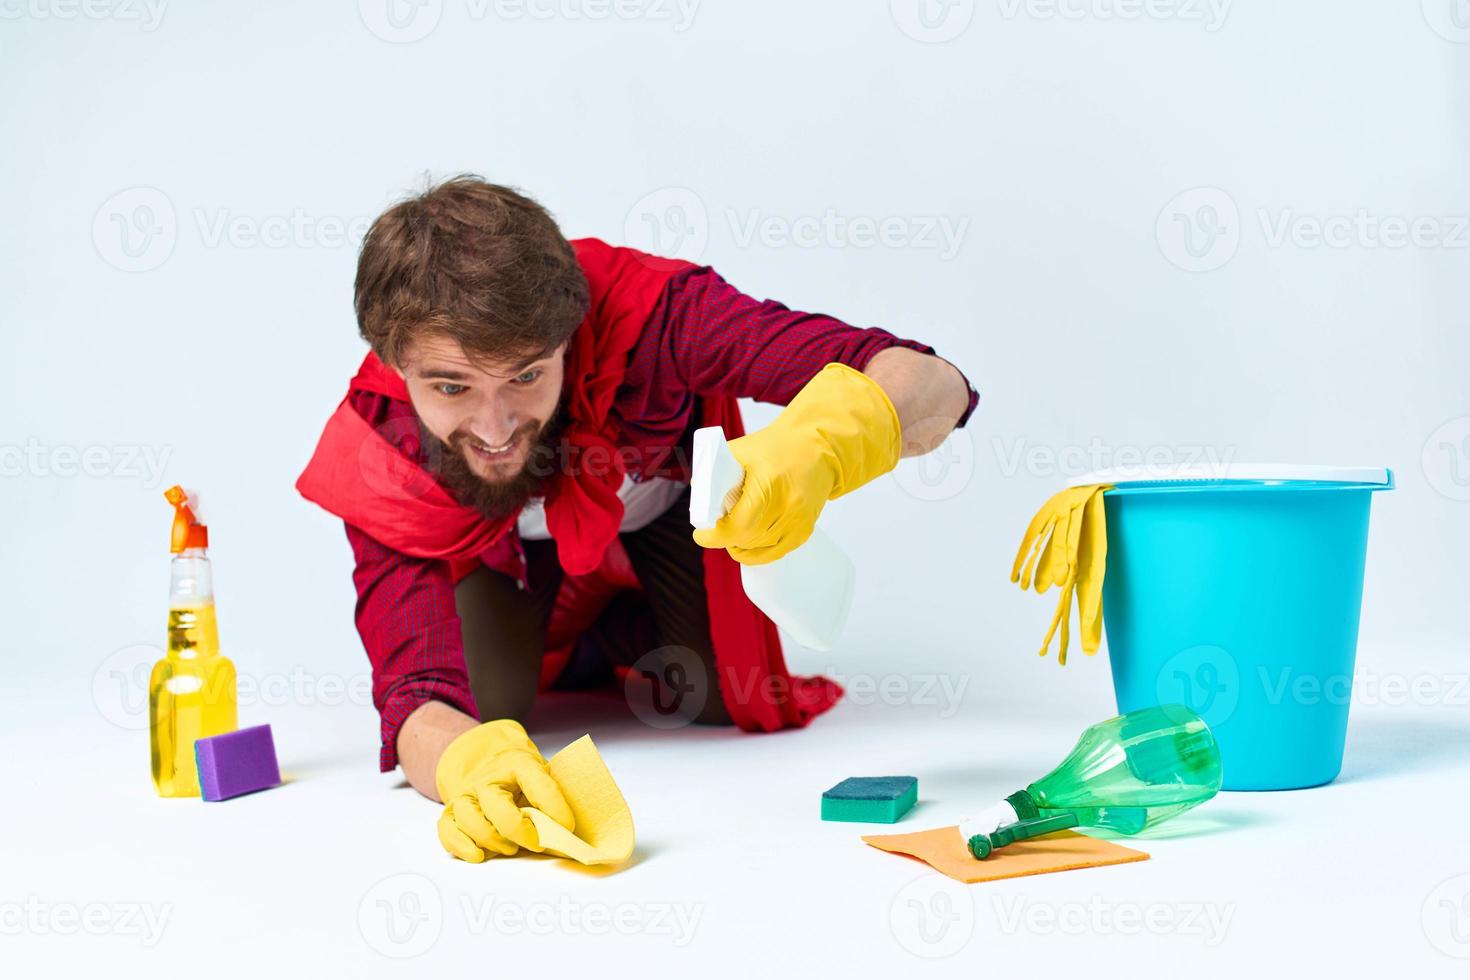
[{"x": 1125, "y": 775}]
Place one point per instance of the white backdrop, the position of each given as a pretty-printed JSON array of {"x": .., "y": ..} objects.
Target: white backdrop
[{"x": 1175, "y": 227}]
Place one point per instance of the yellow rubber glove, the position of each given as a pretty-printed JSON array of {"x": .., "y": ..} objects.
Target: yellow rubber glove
[
  {"x": 839, "y": 432},
  {"x": 484, "y": 778},
  {"x": 1066, "y": 544}
]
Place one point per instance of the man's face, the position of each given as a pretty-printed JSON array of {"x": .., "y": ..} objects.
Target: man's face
[{"x": 492, "y": 415}]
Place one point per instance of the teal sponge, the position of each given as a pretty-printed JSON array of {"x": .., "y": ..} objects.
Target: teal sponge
[{"x": 870, "y": 799}]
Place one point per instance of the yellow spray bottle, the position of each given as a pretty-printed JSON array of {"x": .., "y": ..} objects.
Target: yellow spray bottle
[{"x": 191, "y": 694}]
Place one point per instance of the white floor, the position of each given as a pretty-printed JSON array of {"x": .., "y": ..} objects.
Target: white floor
[{"x": 734, "y": 871}]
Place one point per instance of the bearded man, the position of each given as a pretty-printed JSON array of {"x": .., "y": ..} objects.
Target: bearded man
[{"x": 511, "y": 463}]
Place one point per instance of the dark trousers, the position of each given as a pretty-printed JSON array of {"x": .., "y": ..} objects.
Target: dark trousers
[{"x": 662, "y": 634}]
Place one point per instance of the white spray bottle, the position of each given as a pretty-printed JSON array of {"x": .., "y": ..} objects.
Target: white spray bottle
[{"x": 808, "y": 591}]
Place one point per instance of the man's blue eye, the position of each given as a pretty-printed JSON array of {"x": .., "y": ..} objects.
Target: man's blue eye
[
  {"x": 528, "y": 376},
  {"x": 445, "y": 389}
]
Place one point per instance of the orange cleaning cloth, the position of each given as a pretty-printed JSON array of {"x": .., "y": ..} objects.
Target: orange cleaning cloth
[{"x": 944, "y": 849}]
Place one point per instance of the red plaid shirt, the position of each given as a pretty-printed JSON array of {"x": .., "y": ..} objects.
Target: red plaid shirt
[{"x": 703, "y": 338}]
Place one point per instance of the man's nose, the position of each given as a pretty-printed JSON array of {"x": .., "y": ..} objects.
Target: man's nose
[{"x": 495, "y": 426}]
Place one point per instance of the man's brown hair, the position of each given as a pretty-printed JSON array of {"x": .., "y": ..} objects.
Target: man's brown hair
[{"x": 472, "y": 261}]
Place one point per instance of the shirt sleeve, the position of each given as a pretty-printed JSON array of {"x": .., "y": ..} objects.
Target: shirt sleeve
[
  {"x": 410, "y": 629},
  {"x": 706, "y": 337}
]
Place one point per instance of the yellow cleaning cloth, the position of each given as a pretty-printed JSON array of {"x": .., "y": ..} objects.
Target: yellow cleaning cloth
[
  {"x": 944, "y": 850},
  {"x": 604, "y": 824},
  {"x": 1066, "y": 544}
]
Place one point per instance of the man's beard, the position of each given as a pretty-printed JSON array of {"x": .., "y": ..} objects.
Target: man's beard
[{"x": 499, "y": 498}]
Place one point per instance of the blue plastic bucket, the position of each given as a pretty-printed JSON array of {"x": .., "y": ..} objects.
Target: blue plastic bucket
[{"x": 1240, "y": 597}]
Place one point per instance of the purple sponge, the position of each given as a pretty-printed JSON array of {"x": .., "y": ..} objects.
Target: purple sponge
[{"x": 236, "y": 763}]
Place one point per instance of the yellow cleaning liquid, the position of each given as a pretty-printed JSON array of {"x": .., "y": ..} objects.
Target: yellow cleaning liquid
[{"x": 191, "y": 695}]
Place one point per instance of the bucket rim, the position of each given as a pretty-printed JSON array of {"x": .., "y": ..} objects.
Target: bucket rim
[{"x": 1239, "y": 476}]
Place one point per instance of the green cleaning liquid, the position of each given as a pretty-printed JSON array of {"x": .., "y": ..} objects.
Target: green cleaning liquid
[{"x": 1125, "y": 775}]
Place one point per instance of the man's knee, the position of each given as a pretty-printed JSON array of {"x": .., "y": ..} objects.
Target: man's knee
[
  {"x": 504, "y": 703},
  {"x": 714, "y": 711},
  {"x": 502, "y": 635},
  {"x": 680, "y": 682}
]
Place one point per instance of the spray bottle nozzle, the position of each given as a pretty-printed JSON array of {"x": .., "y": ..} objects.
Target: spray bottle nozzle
[
  {"x": 982, "y": 844},
  {"x": 187, "y": 531}
]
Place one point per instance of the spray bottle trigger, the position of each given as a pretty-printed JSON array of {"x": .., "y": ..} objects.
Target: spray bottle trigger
[
  {"x": 715, "y": 477},
  {"x": 187, "y": 531},
  {"x": 808, "y": 592}
]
